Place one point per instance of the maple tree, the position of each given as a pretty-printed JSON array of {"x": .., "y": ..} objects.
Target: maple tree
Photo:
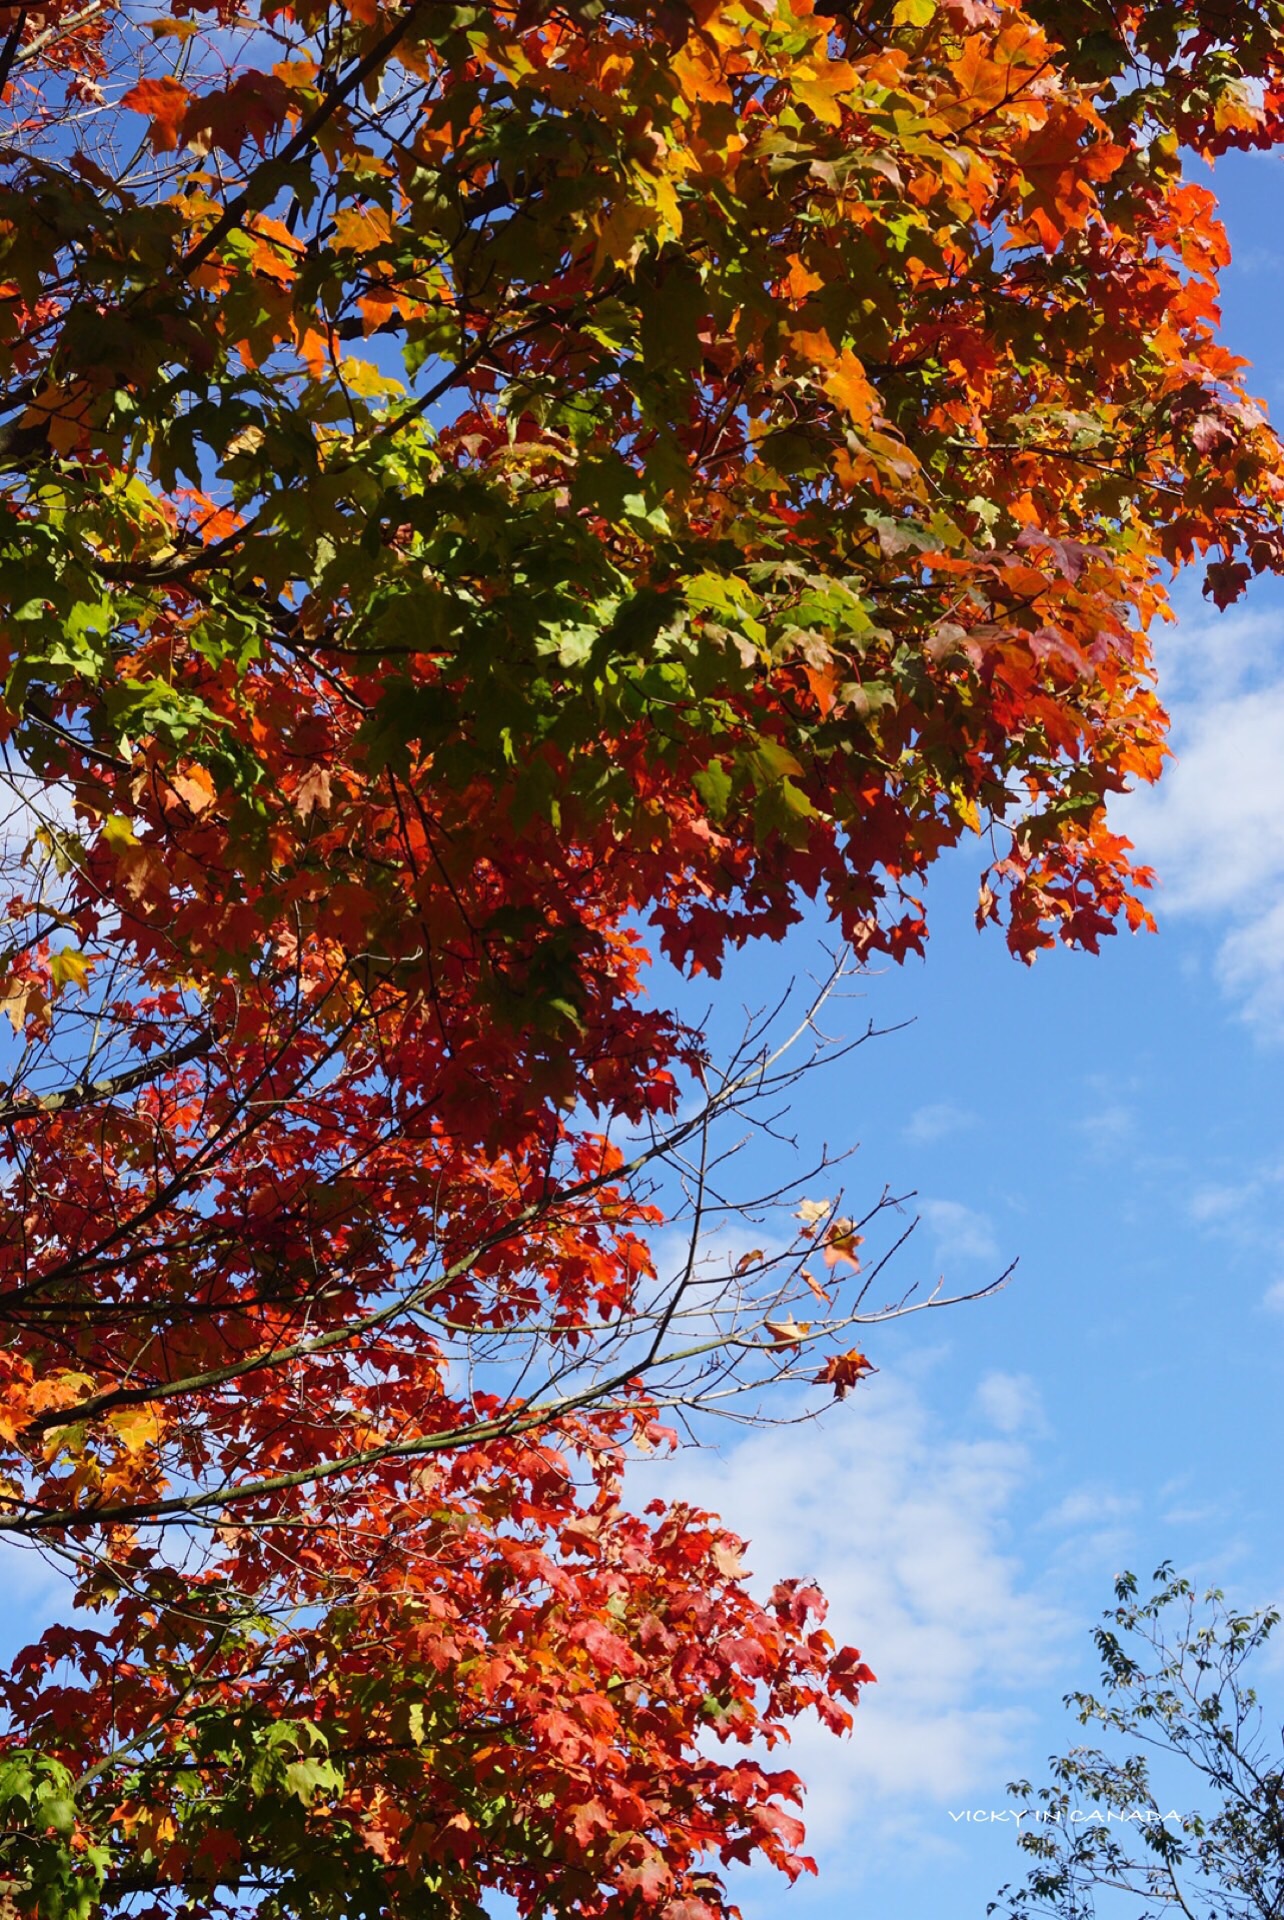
[{"x": 478, "y": 479}]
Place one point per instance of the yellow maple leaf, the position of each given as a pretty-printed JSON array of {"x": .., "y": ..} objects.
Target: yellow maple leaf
[
  {"x": 699, "y": 75},
  {"x": 117, "y": 831},
  {"x": 70, "y": 964},
  {"x": 820, "y": 85},
  {"x": 135, "y": 1427},
  {"x": 617, "y": 235},
  {"x": 357, "y": 230},
  {"x": 363, "y": 378}
]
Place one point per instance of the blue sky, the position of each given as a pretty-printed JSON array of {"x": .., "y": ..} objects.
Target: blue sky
[{"x": 1116, "y": 1123}]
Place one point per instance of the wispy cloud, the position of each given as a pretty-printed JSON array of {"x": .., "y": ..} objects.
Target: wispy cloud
[
  {"x": 959, "y": 1232},
  {"x": 1244, "y": 1209},
  {"x": 1251, "y": 967},
  {"x": 903, "y": 1525},
  {"x": 1011, "y": 1402},
  {"x": 1214, "y": 826},
  {"x": 1089, "y": 1507},
  {"x": 1258, "y": 260},
  {"x": 937, "y": 1122},
  {"x": 1110, "y": 1127},
  {"x": 1096, "y": 1526},
  {"x": 1213, "y": 1206}
]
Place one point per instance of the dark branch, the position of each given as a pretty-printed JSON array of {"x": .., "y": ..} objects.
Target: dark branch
[{"x": 85, "y": 1093}]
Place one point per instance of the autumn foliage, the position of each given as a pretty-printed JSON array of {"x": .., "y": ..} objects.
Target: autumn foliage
[{"x": 486, "y": 487}]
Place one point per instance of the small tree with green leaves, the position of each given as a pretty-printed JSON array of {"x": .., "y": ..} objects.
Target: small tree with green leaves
[{"x": 1107, "y": 1836}]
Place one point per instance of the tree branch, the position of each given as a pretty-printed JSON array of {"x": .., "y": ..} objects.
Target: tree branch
[
  {"x": 236, "y": 209},
  {"x": 84, "y": 1093}
]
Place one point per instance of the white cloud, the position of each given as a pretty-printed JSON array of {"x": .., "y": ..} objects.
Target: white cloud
[
  {"x": 903, "y": 1528},
  {"x": 959, "y": 1232},
  {"x": 1245, "y": 1211},
  {"x": 1109, "y": 1128},
  {"x": 1096, "y": 1526},
  {"x": 720, "y": 1244},
  {"x": 936, "y": 1122},
  {"x": 1251, "y": 966},
  {"x": 1193, "y": 1516},
  {"x": 1090, "y": 1507},
  {"x": 1208, "y": 1206},
  {"x": 1010, "y": 1402},
  {"x": 1207, "y": 655},
  {"x": 708, "y": 1270},
  {"x": 1214, "y": 826}
]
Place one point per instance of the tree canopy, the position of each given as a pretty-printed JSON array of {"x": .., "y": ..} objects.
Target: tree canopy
[
  {"x": 1181, "y": 1715},
  {"x": 484, "y": 488}
]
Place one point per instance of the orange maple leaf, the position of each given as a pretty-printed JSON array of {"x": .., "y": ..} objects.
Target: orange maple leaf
[{"x": 165, "y": 104}]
